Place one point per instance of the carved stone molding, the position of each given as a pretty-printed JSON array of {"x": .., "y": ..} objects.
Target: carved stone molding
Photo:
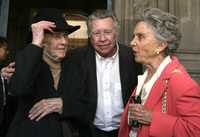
[{"x": 188, "y": 11}]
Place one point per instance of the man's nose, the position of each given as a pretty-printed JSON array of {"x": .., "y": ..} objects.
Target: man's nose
[{"x": 102, "y": 36}]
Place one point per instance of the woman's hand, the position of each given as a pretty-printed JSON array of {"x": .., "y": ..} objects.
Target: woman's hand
[
  {"x": 140, "y": 113},
  {"x": 45, "y": 107},
  {"x": 38, "y": 31}
]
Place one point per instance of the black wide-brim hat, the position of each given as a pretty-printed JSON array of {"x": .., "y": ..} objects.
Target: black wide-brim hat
[{"x": 56, "y": 16}]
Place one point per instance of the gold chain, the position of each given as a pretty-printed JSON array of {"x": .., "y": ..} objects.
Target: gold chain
[{"x": 164, "y": 98}]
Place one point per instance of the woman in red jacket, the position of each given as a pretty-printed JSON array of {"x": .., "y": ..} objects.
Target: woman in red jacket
[{"x": 166, "y": 101}]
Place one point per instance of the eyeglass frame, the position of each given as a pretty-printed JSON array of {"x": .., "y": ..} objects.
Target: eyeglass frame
[{"x": 104, "y": 32}]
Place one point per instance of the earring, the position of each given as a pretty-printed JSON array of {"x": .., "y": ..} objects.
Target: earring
[{"x": 157, "y": 51}]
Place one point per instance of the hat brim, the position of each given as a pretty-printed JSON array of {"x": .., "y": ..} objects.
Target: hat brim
[{"x": 69, "y": 29}]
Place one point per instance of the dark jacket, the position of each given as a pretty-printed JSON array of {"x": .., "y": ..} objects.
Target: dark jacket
[
  {"x": 2, "y": 103},
  {"x": 87, "y": 83},
  {"x": 32, "y": 82},
  {"x": 8, "y": 106}
]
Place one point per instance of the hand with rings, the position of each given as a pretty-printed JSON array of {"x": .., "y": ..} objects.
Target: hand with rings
[
  {"x": 45, "y": 107},
  {"x": 140, "y": 113}
]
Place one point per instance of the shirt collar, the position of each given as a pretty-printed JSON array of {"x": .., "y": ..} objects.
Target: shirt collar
[
  {"x": 141, "y": 78},
  {"x": 164, "y": 63}
]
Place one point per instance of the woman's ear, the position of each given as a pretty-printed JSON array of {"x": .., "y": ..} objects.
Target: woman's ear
[{"x": 163, "y": 46}]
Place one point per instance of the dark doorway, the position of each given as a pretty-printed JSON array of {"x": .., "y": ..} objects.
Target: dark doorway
[{"x": 19, "y": 15}]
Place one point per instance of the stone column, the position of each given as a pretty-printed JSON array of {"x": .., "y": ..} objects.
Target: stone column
[
  {"x": 188, "y": 11},
  {"x": 4, "y": 11}
]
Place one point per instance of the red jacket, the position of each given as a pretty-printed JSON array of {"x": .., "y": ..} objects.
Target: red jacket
[{"x": 182, "y": 118}]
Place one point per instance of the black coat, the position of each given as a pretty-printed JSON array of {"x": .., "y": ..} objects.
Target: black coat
[
  {"x": 2, "y": 96},
  {"x": 3, "y": 108},
  {"x": 87, "y": 83},
  {"x": 32, "y": 82},
  {"x": 7, "y": 108}
]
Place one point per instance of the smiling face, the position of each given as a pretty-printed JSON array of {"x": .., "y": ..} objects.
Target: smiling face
[
  {"x": 145, "y": 46},
  {"x": 56, "y": 45},
  {"x": 103, "y": 36}
]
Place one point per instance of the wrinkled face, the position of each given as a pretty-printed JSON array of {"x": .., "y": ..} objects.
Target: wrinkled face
[
  {"x": 56, "y": 45},
  {"x": 144, "y": 43},
  {"x": 103, "y": 37}
]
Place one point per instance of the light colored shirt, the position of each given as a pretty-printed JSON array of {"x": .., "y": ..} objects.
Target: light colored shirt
[
  {"x": 109, "y": 102},
  {"x": 146, "y": 87}
]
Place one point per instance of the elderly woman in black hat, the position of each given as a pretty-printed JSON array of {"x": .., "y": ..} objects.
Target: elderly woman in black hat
[
  {"x": 166, "y": 101},
  {"x": 38, "y": 77}
]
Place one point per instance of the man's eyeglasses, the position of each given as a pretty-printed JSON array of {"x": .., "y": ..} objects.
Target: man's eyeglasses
[{"x": 105, "y": 32}]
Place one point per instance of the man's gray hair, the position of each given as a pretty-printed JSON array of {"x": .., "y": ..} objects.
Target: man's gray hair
[
  {"x": 165, "y": 26},
  {"x": 101, "y": 14}
]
